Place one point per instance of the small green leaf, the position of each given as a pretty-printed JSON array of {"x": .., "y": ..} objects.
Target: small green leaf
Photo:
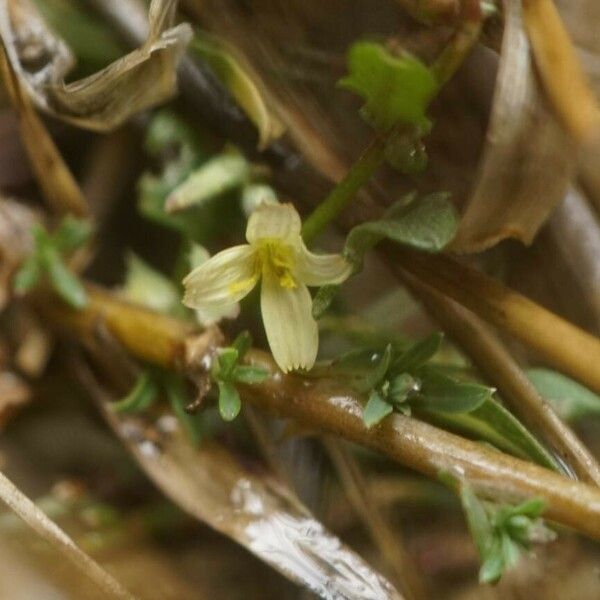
[
  {"x": 142, "y": 395},
  {"x": 218, "y": 175},
  {"x": 65, "y": 283},
  {"x": 396, "y": 90},
  {"x": 569, "y": 398},
  {"x": 493, "y": 565},
  {"x": 230, "y": 403},
  {"x": 418, "y": 354},
  {"x": 373, "y": 377},
  {"x": 376, "y": 409},
  {"x": 477, "y": 518},
  {"x": 71, "y": 234},
  {"x": 242, "y": 343},
  {"x": 406, "y": 153},
  {"x": 323, "y": 299},
  {"x": 240, "y": 84},
  {"x": 442, "y": 393},
  {"x": 428, "y": 224},
  {"x": 175, "y": 389},
  {"x": 28, "y": 276},
  {"x": 402, "y": 387},
  {"x": 227, "y": 360},
  {"x": 249, "y": 375}
]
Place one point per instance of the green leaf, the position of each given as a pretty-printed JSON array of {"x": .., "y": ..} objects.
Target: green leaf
[
  {"x": 493, "y": 564},
  {"x": 492, "y": 423},
  {"x": 227, "y": 360},
  {"x": 240, "y": 84},
  {"x": 218, "y": 175},
  {"x": 376, "y": 409},
  {"x": 406, "y": 152},
  {"x": 402, "y": 387},
  {"x": 176, "y": 394},
  {"x": 230, "y": 403},
  {"x": 249, "y": 374},
  {"x": 569, "y": 398},
  {"x": 71, "y": 234},
  {"x": 396, "y": 90},
  {"x": 442, "y": 393},
  {"x": 418, "y": 354},
  {"x": 373, "y": 377},
  {"x": 66, "y": 284},
  {"x": 242, "y": 343},
  {"x": 28, "y": 276},
  {"x": 428, "y": 223},
  {"x": 323, "y": 299},
  {"x": 477, "y": 518},
  {"x": 142, "y": 395}
]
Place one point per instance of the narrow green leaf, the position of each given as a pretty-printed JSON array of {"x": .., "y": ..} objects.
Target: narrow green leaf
[
  {"x": 176, "y": 394},
  {"x": 477, "y": 518},
  {"x": 442, "y": 393},
  {"x": 142, "y": 395},
  {"x": 65, "y": 283},
  {"x": 492, "y": 566},
  {"x": 569, "y": 398},
  {"x": 376, "y": 409},
  {"x": 71, "y": 234},
  {"x": 28, "y": 276},
  {"x": 230, "y": 403},
  {"x": 242, "y": 343},
  {"x": 249, "y": 375},
  {"x": 492, "y": 423},
  {"x": 374, "y": 376},
  {"x": 323, "y": 299},
  {"x": 418, "y": 354},
  {"x": 395, "y": 89},
  {"x": 218, "y": 175}
]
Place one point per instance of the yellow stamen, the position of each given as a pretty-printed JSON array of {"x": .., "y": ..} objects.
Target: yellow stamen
[{"x": 276, "y": 259}]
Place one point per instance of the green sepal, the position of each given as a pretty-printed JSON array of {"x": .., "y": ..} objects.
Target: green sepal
[{"x": 230, "y": 403}]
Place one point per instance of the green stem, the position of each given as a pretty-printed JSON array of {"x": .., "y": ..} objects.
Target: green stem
[{"x": 359, "y": 174}]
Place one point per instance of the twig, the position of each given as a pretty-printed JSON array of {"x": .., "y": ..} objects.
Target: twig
[
  {"x": 53, "y": 534},
  {"x": 332, "y": 408},
  {"x": 562, "y": 344},
  {"x": 494, "y": 360}
]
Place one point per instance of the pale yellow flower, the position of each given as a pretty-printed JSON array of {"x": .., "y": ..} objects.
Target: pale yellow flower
[{"x": 275, "y": 252}]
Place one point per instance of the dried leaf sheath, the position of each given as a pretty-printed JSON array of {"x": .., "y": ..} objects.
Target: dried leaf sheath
[{"x": 139, "y": 80}]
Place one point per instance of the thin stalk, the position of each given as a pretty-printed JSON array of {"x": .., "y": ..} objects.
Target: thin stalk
[
  {"x": 335, "y": 409},
  {"x": 563, "y": 345},
  {"x": 359, "y": 175},
  {"x": 494, "y": 360},
  {"x": 54, "y": 535},
  {"x": 390, "y": 545},
  {"x": 372, "y": 158}
]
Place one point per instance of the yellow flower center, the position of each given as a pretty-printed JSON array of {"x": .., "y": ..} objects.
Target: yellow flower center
[{"x": 276, "y": 259}]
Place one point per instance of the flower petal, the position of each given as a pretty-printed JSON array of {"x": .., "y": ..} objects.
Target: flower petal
[
  {"x": 280, "y": 221},
  {"x": 222, "y": 280},
  {"x": 291, "y": 330},
  {"x": 321, "y": 269}
]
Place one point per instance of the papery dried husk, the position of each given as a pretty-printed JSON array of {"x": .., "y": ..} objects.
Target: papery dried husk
[
  {"x": 140, "y": 80},
  {"x": 529, "y": 158},
  {"x": 254, "y": 510}
]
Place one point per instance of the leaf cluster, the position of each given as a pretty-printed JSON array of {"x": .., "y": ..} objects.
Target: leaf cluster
[
  {"x": 227, "y": 372},
  {"x": 502, "y": 532},
  {"x": 47, "y": 260}
]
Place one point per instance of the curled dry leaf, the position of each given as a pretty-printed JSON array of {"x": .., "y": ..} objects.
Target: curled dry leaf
[
  {"x": 135, "y": 82},
  {"x": 14, "y": 393},
  {"x": 528, "y": 159},
  {"x": 210, "y": 484}
]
